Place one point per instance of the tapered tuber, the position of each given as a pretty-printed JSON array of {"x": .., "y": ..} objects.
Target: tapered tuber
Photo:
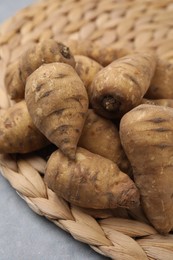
[
  {"x": 18, "y": 134},
  {"x": 57, "y": 102},
  {"x": 44, "y": 52},
  {"x": 146, "y": 134},
  {"x": 91, "y": 181},
  {"x": 101, "y": 136},
  {"x": 121, "y": 85}
]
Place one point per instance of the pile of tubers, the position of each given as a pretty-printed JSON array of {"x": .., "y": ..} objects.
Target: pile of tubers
[{"x": 109, "y": 117}]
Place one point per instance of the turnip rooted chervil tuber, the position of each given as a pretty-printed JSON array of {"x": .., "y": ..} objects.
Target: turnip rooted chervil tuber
[
  {"x": 146, "y": 134},
  {"x": 91, "y": 181},
  {"x": 86, "y": 69},
  {"x": 101, "y": 136},
  {"x": 103, "y": 55},
  {"x": 44, "y": 52},
  {"x": 18, "y": 134},
  {"x": 120, "y": 86},
  {"x": 161, "y": 84},
  {"x": 57, "y": 102}
]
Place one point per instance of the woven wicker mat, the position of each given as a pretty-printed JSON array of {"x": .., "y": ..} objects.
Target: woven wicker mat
[{"x": 133, "y": 24}]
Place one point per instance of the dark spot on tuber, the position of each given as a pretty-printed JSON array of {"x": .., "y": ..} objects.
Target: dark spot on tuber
[
  {"x": 28, "y": 69},
  {"x": 157, "y": 120},
  {"x": 162, "y": 129},
  {"x": 20, "y": 73},
  {"x": 39, "y": 87},
  {"x": 46, "y": 94},
  {"x": 77, "y": 130},
  {"x": 163, "y": 145},
  {"x": 110, "y": 104},
  {"x": 58, "y": 112},
  {"x": 132, "y": 79},
  {"x": 63, "y": 129},
  {"x": 65, "y": 141},
  {"x": 60, "y": 76},
  {"x": 77, "y": 98},
  {"x": 83, "y": 179},
  {"x": 128, "y": 63},
  {"x": 65, "y": 51},
  {"x": 82, "y": 114}
]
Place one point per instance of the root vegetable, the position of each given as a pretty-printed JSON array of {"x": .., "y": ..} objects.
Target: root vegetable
[
  {"x": 121, "y": 85},
  {"x": 13, "y": 82},
  {"x": 101, "y": 136},
  {"x": 162, "y": 82},
  {"x": 86, "y": 68},
  {"x": 18, "y": 134},
  {"x": 44, "y": 52},
  {"x": 146, "y": 134},
  {"x": 57, "y": 102},
  {"x": 91, "y": 181},
  {"x": 103, "y": 55}
]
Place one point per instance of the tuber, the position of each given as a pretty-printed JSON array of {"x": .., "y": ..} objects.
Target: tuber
[
  {"x": 121, "y": 85},
  {"x": 103, "y": 55},
  {"x": 162, "y": 81},
  {"x": 44, "y": 52},
  {"x": 101, "y": 136},
  {"x": 146, "y": 134},
  {"x": 91, "y": 181},
  {"x": 57, "y": 102},
  {"x": 86, "y": 69},
  {"x": 18, "y": 134}
]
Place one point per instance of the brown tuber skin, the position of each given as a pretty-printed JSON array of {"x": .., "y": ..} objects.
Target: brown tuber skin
[
  {"x": 146, "y": 134},
  {"x": 103, "y": 56},
  {"x": 161, "y": 86},
  {"x": 86, "y": 68},
  {"x": 91, "y": 181},
  {"x": 44, "y": 52},
  {"x": 158, "y": 102},
  {"x": 57, "y": 102},
  {"x": 121, "y": 85},
  {"x": 18, "y": 134},
  {"x": 101, "y": 136}
]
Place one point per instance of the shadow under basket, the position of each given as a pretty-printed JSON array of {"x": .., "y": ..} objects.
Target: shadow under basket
[{"x": 132, "y": 25}]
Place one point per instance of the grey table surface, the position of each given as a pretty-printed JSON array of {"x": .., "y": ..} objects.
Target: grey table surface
[{"x": 24, "y": 235}]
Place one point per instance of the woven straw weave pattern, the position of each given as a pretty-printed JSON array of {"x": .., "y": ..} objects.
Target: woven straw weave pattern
[{"x": 133, "y": 24}]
